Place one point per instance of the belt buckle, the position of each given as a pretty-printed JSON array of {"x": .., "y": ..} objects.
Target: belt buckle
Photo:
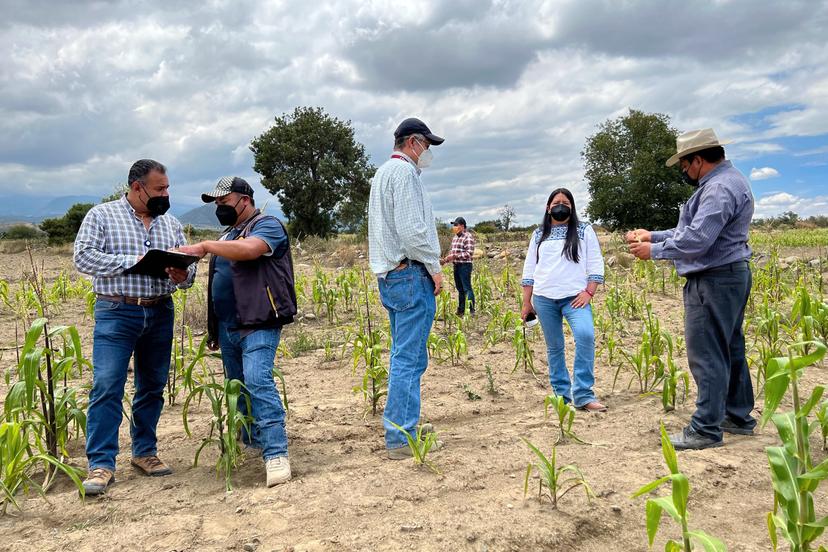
[{"x": 141, "y": 302}]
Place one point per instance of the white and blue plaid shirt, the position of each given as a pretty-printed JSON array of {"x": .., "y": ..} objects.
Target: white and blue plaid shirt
[
  {"x": 110, "y": 240},
  {"x": 401, "y": 222}
]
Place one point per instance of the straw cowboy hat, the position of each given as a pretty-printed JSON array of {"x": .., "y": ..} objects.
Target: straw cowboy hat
[{"x": 695, "y": 140}]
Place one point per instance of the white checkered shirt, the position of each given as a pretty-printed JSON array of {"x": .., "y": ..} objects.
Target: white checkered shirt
[
  {"x": 110, "y": 240},
  {"x": 400, "y": 219}
]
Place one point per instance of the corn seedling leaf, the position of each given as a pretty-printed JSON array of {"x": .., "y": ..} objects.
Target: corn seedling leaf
[{"x": 710, "y": 544}]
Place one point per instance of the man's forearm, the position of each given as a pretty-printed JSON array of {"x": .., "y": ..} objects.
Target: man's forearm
[{"x": 236, "y": 250}]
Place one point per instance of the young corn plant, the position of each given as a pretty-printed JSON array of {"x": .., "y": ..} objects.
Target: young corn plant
[
  {"x": 523, "y": 351},
  {"x": 673, "y": 376},
  {"x": 367, "y": 348},
  {"x": 675, "y": 505},
  {"x": 491, "y": 387},
  {"x": 565, "y": 414},
  {"x": 19, "y": 464},
  {"x": 822, "y": 423},
  {"x": 557, "y": 480},
  {"x": 794, "y": 476},
  {"x": 457, "y": 346},
  {"x": 225, "y": 425},
  {"x": 420, "y": 444}
]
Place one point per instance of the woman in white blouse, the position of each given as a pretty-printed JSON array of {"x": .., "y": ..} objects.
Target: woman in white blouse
[{"x": 562, "y": 270}]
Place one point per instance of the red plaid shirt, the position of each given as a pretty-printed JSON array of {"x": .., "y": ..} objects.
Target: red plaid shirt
[{"x": 462, "y": 247}]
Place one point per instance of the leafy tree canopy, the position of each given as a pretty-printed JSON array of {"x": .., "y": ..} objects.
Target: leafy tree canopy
[
  {"x": 629, "y": 184},
  {"x": 318, "y": 171}
]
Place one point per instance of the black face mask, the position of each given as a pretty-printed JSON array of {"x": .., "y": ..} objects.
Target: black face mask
[
  {"x": 688, "y": 179},
  {"x": 157, "y": 205},
  {"x": 226, "y": 214},
  {"x": 560, "y": 212}
]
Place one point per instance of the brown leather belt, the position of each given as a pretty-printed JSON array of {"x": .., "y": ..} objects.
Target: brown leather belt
[{"x": 140, "y": 301}]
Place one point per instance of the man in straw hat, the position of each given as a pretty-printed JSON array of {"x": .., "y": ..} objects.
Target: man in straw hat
[{"x": 709, "y": 247}]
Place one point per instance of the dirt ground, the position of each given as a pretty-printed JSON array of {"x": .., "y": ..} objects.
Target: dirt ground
[{"x": 346, "y": 495}]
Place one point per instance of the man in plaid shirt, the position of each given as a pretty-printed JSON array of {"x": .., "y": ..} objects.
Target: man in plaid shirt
[
  {"x": 134, "y": 315},
  {"x": 461, "y": 254}
]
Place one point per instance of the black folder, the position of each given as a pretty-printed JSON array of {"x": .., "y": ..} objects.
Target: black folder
[{"x": 156, "y": 261}]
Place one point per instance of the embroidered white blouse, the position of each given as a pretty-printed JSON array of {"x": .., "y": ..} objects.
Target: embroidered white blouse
[{"x": 551, "y": 273}]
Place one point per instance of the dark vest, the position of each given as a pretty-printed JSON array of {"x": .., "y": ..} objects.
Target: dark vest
[{"x": 264, "y": 288}]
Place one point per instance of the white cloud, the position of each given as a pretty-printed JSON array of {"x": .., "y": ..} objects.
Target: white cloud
[
  {"x": 763, "y": 174},
  {"x": 85, "y": 92},
  {"x": 777, "y": 203}
]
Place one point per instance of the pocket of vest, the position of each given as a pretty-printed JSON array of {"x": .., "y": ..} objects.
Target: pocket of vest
[{"x": 272, "y": 300}]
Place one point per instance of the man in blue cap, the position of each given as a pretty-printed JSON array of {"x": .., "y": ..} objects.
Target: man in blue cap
[{"x": 404, "y": 253}]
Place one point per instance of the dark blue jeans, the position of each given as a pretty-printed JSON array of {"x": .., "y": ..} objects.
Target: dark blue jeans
[
  {"x": 249, "y": 359},
  {"x": 714, "y": 310},
  {"x": 462, "y": 279},
  {"x": 408, "y": 296},
  {"x": 120, "y": 331}
]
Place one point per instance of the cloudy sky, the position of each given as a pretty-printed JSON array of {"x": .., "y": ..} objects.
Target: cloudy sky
[{"x": 515, "y": 87}]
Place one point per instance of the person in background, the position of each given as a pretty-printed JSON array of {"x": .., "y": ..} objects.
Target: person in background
[
  {"x": 404, "y": 253},
  {"x": 710, "y": 248},
  {"x": 251, "y": 296},
  {"x": 462, "y": 255},
  {"x": 133, "y": 316},
  {"x": 562, "y": 270}
]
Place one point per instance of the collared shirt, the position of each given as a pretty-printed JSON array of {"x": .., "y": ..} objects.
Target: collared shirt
[
  {"x": 401, "y": 222},
  {"x": 713, "y": 226},
  {"x": 110, "y": 240},
  {"x": 551, "y": 273},
  {"x": 462, "y": 247}
]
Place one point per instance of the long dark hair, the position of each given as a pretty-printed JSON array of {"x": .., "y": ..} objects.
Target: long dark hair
[{"x": 570, "y": 248}]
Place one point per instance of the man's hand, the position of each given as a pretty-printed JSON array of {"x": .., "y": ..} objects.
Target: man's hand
[
  {"x": 438, "y": 283},
  {"x": 527, "y": 308},
  {"x": 641, "y": 250},
  {"x": 177, "y": 275},
  {"x": 196, "y": 249},
  {"x": 638, "y": 236},
  {"x": 581, "y": 300}
]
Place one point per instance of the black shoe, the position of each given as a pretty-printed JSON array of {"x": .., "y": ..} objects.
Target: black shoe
[
  {"x": 459, "y": 313},
  {"x": 729, "y": 426},
  {"x": 689, "y": 439}
]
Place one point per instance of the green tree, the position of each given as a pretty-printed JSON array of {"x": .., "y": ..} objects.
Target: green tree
[
  {"x": 64, "y": 229},
  {"x": 119, "y": 192},
  {"x": 318, "y": 171},
  {"x": 22, "y": 232},
  {"x": 629, "y": 184}
]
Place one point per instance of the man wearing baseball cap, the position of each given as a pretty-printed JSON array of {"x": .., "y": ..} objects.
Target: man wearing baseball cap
[
  {"x": 250, "y": 296},
  {"x": 709, "y": 247},
  {"x": 404, "y": 253},
  {"x": 462, "y": 255}
]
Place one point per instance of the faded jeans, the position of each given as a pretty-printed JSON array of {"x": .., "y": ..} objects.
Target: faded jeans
[
  {"x": 408, "y": 296},
  {"x": 551, "y": 313},
  {"x": 249, "y": 359}
]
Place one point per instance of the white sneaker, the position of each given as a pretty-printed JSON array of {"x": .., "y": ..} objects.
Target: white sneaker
[{"x": 278, "y": 470}]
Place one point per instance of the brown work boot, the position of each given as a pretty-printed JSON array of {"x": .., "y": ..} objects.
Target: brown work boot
[
  {"x": 97, "y": 480},
  {"x": 150, "y": 465}
]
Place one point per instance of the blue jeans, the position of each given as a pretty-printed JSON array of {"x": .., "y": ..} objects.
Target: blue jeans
[
  {"x": 714, "y": 310},
  {"x": 462, "y": 279},
  {"x": 249, "y": 359},
  {"x": 120, "y": 331},
  {"x": 550, "y": 314},
  {"x": 408, "y": 296}
]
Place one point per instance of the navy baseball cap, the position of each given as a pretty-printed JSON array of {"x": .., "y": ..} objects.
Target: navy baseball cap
[
  {"x": 415, "y": 126},
  {"x": 458, "y": 220},
  {"x": 227, "y": 185}
]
